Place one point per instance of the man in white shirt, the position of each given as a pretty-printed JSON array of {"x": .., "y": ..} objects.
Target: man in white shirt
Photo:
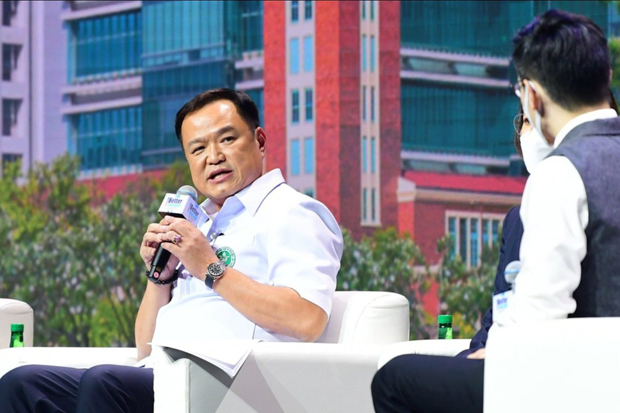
[
  {"x": 262, "y": 267},
  {"x": 571, "y": 243}
]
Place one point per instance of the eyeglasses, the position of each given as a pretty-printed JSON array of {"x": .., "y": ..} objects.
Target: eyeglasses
[{"x": 517, "y": 123}]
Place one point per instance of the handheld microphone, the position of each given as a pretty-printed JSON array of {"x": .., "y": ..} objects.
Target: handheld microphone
[
  {"x": 510, "y": 273},
  {"x": 183, "y": 204}
]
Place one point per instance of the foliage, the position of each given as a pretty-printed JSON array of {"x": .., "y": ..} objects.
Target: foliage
[
  {"x": 387, "y": 262},
  {"x": 77, "y": 265},
  {"x": 465, "y": 292}
]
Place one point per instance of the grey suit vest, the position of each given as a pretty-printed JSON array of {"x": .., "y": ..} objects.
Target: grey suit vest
[{"x": 594, "y": 149}]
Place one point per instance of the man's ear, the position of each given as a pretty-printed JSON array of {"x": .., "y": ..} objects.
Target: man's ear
[
  {"x": 261, "y": 138},
  {"x": 536, "y": 97}
]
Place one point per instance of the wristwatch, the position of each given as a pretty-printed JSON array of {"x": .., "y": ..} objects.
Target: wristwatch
[{"x": 215, "y": 270}]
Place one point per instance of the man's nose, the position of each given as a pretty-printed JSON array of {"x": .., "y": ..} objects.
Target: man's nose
[{"x": 214, "y": 155}]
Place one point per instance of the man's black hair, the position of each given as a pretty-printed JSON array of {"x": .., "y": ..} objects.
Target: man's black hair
[
  {"x": 246, "y": 108},
  {"x": 568, "y": 55}
]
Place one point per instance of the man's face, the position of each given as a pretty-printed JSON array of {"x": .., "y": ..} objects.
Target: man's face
[{"x": 224, "y": 155}]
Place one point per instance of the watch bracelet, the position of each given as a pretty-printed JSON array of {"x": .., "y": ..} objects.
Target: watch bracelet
[{"x": 157, "y": 281}]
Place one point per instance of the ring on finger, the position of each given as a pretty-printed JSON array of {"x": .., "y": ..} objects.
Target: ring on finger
[{"x": 176, "y": 239}]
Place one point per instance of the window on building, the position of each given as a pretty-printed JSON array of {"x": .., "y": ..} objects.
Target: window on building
[
  {"x": 364, "y": 154},
  {"x": 372, "y": 103},
  {"x": 108, "y": 138},
  {"x": 295, "y": 157},
  {"x": 309, "y": 192},
  {"x": 373, "y": 204},
  {"x": 294, "y": 11},
  {"x": 8, "y": 158},
  {"x": 363, "y": 102},
  {"x": 308, "y": 54},
  {"x": 364, "y": 204},
  {"x": 309, "y": 107},
  {"x": 108, "y": 44},
  {"x": 307, "y": 10},
  {"x": 372, "y": 10},
  {"x": 9, "y": 9},
  {"x": 10, "y": 112},
  {"x": 10, "y": 54},
  {"x": 373, "y": 155},
  {"x": 308, "y": 156},
  {"x": 294, "y": 55},
  {"x": 470, "y": 233},
  {"x": 363, "y": 10},
  {"x": 295, "y": 106},
  {"x": 372, "y": 53},
  {"x": 363, "y": 53}
]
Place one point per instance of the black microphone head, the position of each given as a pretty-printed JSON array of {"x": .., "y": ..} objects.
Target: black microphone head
[{"x": 188, "y": 190}]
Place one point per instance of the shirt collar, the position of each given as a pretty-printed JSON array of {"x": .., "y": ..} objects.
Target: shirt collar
[
  {"x": 586, "y": 117},
  {"x": 253, "y": 195}
]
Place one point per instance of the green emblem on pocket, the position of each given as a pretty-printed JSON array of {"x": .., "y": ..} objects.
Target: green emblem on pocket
[{"x": 227, "y": 256}]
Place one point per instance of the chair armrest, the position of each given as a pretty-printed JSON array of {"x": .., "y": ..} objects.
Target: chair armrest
[
  {"x": 568, "y": 365},
  {"x": 15, "y": 312},
  {"x": 430, "y": 347},
  {"x": 78, "y": 357},
  {"x": 276, "y": 377}
]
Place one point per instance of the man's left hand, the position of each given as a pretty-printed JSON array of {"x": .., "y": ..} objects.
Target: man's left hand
[{"x": 191, "y": 246}]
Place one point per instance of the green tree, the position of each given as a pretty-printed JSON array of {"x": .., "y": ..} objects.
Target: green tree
[{"x": 387, "y": 261}]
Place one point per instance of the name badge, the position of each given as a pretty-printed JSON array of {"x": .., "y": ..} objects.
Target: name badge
[{"x": 500, "y": 303}]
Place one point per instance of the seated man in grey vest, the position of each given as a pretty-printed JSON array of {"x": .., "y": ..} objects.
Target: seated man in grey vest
[{"x": 570, "y": 210}]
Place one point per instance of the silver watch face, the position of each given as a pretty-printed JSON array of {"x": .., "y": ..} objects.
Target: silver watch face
[{"x": 216, "y": 269}]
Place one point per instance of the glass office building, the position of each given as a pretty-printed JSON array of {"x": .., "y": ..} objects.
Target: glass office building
[{"x": 469, "y": 109}]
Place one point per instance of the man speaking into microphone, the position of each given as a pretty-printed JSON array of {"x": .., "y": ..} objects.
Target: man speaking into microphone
[{"x": 262, "y": 266}]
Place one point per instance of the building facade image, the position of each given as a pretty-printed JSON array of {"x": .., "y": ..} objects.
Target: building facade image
[{"x": 391, "y": 113}]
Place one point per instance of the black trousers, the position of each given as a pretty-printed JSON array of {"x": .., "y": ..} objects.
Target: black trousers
[
  {"x": 429, "y": 384},
  {"x": 105, "y": 388}
]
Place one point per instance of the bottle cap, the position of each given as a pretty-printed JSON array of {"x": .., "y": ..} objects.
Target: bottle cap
[
  {"x": 19, "y": 328},
  {"x": 444, "y": 319}
]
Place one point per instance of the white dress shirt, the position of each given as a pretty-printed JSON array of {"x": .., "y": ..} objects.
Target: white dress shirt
[
  {"x": 272, "y": 234},
  {"x": 554, "y": 212}
]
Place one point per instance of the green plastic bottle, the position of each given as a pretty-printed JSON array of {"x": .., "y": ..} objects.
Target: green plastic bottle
[
  {"x": 445, "y": 327},
  {"x": 17, "y": 335}
]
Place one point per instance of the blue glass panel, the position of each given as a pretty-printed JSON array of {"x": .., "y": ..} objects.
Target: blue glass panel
[
  {"x": 295, "y": 157},
  {"x": 495, "y": 230},
  {"x": 105, "y": 45},
  {"x": 364, "y": 204},
  {"x": 294, "y": 56},
  {"x": 308, "y": 54},
  {"x": 295, "y": 106},
  {"x": 308, "y": 155},
  {"x": 373, "y": 155},
  {"x": 294, "y": 10},
  {"x": 452, "y": 233},
  {"x": 363, "y": 102},
  {"x": 463, "y": 239},
  {"x": 372, "y": 103},
  {"x": 364, "y": 154},
  {"x": 485, "y": 232},
  {"x": 309, "y": 107},
  {"x": 372, "y": 53},
  {"x": 473, "y": 247},
  {"x": 308, "y": 10},
  {"x": 373, "y": 205}
]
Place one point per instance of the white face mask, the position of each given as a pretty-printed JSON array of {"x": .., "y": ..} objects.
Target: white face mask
[
  {"x": 535, "y": 148},
  {"x": 535, "y": 122}
]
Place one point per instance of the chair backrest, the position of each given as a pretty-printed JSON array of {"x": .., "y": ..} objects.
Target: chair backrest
[
  {"x": 367, "y": 317},
  {"x": 15, "y": 312}
]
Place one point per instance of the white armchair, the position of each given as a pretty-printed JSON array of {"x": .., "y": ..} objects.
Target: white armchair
[
  {"x": 567, "y": 366},
  {"x": 332, "y": 375},
  {"x": 15, "y": 312}
]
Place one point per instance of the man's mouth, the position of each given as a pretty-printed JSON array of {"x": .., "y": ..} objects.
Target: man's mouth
[{"x": 219, "y": 175}]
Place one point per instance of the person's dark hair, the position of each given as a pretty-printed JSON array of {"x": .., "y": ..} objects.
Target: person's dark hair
[
  {"x": 568, "y": 55},
  {"x": 246, "y": 108}
]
